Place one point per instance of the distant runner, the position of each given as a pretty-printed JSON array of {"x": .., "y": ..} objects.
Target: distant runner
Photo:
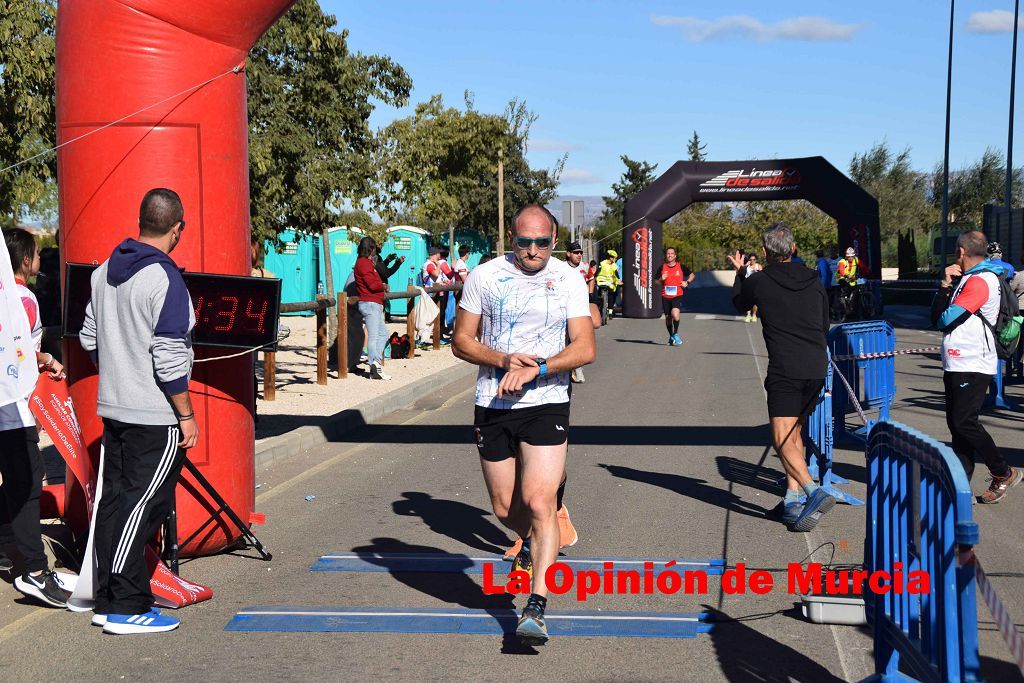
[
  {"x": 512, "y": 322},
  {"x": 674, "y": 277}
]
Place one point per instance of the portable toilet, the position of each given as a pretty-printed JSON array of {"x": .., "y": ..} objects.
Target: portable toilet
[
  {"x": 296, "y": 264},
  {"x": 412, "y": 243},
  {"x": 478, "y": 245},
  {"x": 342, "y": 244}
]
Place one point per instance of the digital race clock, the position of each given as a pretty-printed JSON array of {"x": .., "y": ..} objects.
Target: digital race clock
[{"x": 230, "y": 310}]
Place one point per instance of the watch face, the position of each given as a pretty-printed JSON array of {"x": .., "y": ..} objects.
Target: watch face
[{"x": 232, "y": 311}]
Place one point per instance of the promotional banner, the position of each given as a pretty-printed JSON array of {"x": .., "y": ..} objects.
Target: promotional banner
[{"x": 687, "y": 182}]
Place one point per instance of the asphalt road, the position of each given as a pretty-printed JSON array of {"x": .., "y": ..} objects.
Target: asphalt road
[{"x": 663, "y": 464}]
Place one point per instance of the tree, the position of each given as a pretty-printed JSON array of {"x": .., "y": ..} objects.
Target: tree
[
  {"x": 27, "y": 109},
  {"x": 439, "y": 166},
  {"x": 902, "y": 192},
  {"x": 970, "y": 188},
  {"x": 637, "y": 176},
  {"x": 696, "y": 149},
  {"x": 311, "y": 147}
]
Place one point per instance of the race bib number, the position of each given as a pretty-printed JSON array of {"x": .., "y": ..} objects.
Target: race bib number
[{"x": 671, "y": 290}]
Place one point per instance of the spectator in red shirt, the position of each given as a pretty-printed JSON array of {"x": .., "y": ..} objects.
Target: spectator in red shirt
[{"x": 370, "y": 289}]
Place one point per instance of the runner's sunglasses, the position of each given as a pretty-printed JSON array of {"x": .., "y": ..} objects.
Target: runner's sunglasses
[{"x": 541, "y": 242}]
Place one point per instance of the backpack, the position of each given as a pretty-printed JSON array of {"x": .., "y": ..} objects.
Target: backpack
[{"x": 1006, "y": 331}]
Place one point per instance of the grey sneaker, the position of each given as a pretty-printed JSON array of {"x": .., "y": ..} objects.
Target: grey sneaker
[{"x": 997, "y": 490}]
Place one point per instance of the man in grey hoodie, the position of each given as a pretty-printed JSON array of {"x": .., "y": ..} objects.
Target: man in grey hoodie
[{"x": 137, "y": 330}]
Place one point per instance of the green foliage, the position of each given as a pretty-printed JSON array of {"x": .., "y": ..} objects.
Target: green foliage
[
  {"x": 695, "y": 149},
  {"x": 439, "y": 166},
  {"x": 311, "y": 147},
  {"x": 637, "y": 176},
  {"x": 902, "y": 192},
  {"x": 27, "y": 108}
]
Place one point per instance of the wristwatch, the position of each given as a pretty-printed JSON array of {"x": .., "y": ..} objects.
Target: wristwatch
[{"x": 542, "y": 363}]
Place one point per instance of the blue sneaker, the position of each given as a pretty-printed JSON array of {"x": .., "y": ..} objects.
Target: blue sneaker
[
  {"x": 678, "y": 340},
  {"x": 791, "y": 512},
  {"x": 101, "y": 619},
  {"x": 671, "y": 340},
  {"x": 126, "y": 624},
  {"x": 818, "y": 503}
]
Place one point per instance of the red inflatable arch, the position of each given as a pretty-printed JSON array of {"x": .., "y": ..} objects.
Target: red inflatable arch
[{"x": 116, "y": 57}]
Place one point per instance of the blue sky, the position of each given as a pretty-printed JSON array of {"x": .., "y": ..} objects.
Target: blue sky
[{"x": 754, "y": 79}]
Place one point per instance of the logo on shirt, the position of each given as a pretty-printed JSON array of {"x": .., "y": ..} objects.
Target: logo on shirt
[
  {"x": 21, "y": 354},
  {"x": 12, "y": 371},
  {"x": 953, "y": 353}
]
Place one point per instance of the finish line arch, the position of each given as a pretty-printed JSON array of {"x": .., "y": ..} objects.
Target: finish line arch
[{"x": 689, "y": 182}]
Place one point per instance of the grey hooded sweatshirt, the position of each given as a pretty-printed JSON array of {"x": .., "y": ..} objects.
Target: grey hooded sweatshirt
[{"x": 138, "y": 331}]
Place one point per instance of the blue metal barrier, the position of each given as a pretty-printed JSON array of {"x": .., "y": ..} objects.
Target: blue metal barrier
[
  {"x": 819, "y": 440},
  {"x": 873, "y": 380},
  {"x": 995, "y": 395},
  {"x": 919, "y": 514}
]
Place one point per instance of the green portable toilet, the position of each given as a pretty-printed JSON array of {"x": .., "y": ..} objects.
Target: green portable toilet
[
  {"x": 478, "y": 245},
  {"x": 343, "y": 246},
  {"x": 412, "y": 243},
  {"x": 296, "y": 264}
]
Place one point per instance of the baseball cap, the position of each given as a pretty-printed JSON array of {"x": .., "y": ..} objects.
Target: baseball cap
[
  {"x": 850, "y": 251},
  {"x": 994, "y": 248},
  {"x": 574, "y": 246},
  {"x": 613, "y": 253}
]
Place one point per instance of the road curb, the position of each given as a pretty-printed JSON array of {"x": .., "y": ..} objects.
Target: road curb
[{"x": 277, "y": 448}]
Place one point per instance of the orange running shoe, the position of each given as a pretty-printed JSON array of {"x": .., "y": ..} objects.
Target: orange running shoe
[
  {"x": 511, "y": 553},
  {"x": 566, "y": 531}
]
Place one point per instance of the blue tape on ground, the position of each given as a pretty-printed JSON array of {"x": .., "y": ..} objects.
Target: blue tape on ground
[
  {"x": 445, "y": 563},
  {"x": 465, "y": 621}
]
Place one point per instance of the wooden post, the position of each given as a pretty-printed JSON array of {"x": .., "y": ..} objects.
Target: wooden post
[
  {"x": 437, "y": 331},
  {"x": 269, "y": 375},
  {"x": 321, "y": 343},
  {"x": 342, "y": 335},
  {"x": 501, "y": 201},
  {"x": 410, "y": 323}
]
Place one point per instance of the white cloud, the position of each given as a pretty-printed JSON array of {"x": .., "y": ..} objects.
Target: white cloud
[
  {"x": 578, "y": 176},
  {"x": 996, "y": 21},
  {"x": 560, "y": 146},
  {"x": 799, "y": 28}
]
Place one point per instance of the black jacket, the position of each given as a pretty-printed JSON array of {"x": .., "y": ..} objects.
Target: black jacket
[{"x": 793, "y": 308}]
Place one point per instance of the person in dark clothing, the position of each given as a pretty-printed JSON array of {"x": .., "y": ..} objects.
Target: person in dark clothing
[
  {"x": 386, "y": 267},
  {"x": 794, "y": 321}
]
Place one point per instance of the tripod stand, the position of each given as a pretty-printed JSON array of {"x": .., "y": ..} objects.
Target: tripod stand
[{"x": 171, "y": 526}]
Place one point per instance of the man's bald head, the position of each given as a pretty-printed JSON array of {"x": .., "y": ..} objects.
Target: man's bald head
[{"x": 529, "y": 215}]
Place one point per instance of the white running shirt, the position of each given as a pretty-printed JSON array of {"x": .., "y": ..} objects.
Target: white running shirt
[{"x": 522, "y": 313}]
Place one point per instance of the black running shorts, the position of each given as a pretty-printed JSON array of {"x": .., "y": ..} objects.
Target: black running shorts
[
  {"x": 791, "y": 397},
  {"x": 668, "y": 304},
  {"x": 499, "y": 431}
]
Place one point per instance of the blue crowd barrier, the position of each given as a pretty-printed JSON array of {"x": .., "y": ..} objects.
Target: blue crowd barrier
[
  {"x": 919, "y": 514},
  {"x": 873, "y": 380},
  {"x": 996, "y": 397},
  {"x": 819, "y": 441}
]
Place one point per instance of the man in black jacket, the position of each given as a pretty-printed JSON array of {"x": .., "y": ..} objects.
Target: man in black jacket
[{"x": 794, "y": 319}]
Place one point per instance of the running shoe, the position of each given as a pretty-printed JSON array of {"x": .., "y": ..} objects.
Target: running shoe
[
  {"x": 511, "y": 553},
  {"x": 671, "y": 340},
  {"x": 377, "y": 372},
  {"x": 818, "y": 503},
  {"x": 43, "y": 588},
  {"x": 101, "y": 619},
  {"x": 131, "y": 624},
  {"x": 567, "y": 535},
  {"x": 997, "y": 490},
  {"x": 531, "y": 629},
  {"x": 678, "y": 339},
  {"x": 523, "y": 562},
  {"x": 748, "y": 318},
  {"x": 791, "y": 512},
  {"x": 6, "y": 564}
]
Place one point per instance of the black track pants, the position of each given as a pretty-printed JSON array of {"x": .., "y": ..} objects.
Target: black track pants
[
  {"x": 965, "y": 396},
  {"x": 21, "y": 466},
  {"x": 141, "y": 464}
]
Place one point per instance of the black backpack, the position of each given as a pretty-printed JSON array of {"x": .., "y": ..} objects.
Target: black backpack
[{"x": 1006, "y": 331}]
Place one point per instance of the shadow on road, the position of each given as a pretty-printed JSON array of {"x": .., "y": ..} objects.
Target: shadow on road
[
  {"x": 452, "y": 588},
  {"x": 748, "y": 474},
  {"x": 464, "y": 523},
  {"x": 691, "y": 487},
  {"x": 746, "y": 655}
]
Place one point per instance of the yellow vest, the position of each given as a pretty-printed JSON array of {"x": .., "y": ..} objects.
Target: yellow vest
[{"x": 607, "y": 275}]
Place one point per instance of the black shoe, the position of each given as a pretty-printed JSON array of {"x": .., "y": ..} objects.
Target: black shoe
[
  {"x": 5, "y": 563},
  {"x": 43, "y": 587},
  {"x": 531, "y": 629}
]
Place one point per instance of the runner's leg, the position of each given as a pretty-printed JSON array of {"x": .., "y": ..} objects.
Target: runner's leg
[
  {"x": 543, "y": 468},
  {"x": 501, "y": 478}
]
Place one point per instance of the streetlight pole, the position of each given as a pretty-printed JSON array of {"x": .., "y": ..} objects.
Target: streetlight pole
[
  {"x": 1008, "y": 203},
  {"x": 945, "y": 157}
]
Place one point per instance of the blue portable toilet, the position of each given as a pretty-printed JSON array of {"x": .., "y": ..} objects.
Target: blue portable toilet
[
  {"x": 478, "y": 245},
  {"x": 342, "y": 243},
  {"x": 296, "y": 264},
  {"x": 412, "y": 243}
]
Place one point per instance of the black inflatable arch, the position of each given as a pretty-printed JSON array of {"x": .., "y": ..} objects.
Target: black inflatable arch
[{"x": 688, "y": 182}]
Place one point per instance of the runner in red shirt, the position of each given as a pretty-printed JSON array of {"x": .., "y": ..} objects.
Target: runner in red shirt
[{"x": 674, "y": 278}]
